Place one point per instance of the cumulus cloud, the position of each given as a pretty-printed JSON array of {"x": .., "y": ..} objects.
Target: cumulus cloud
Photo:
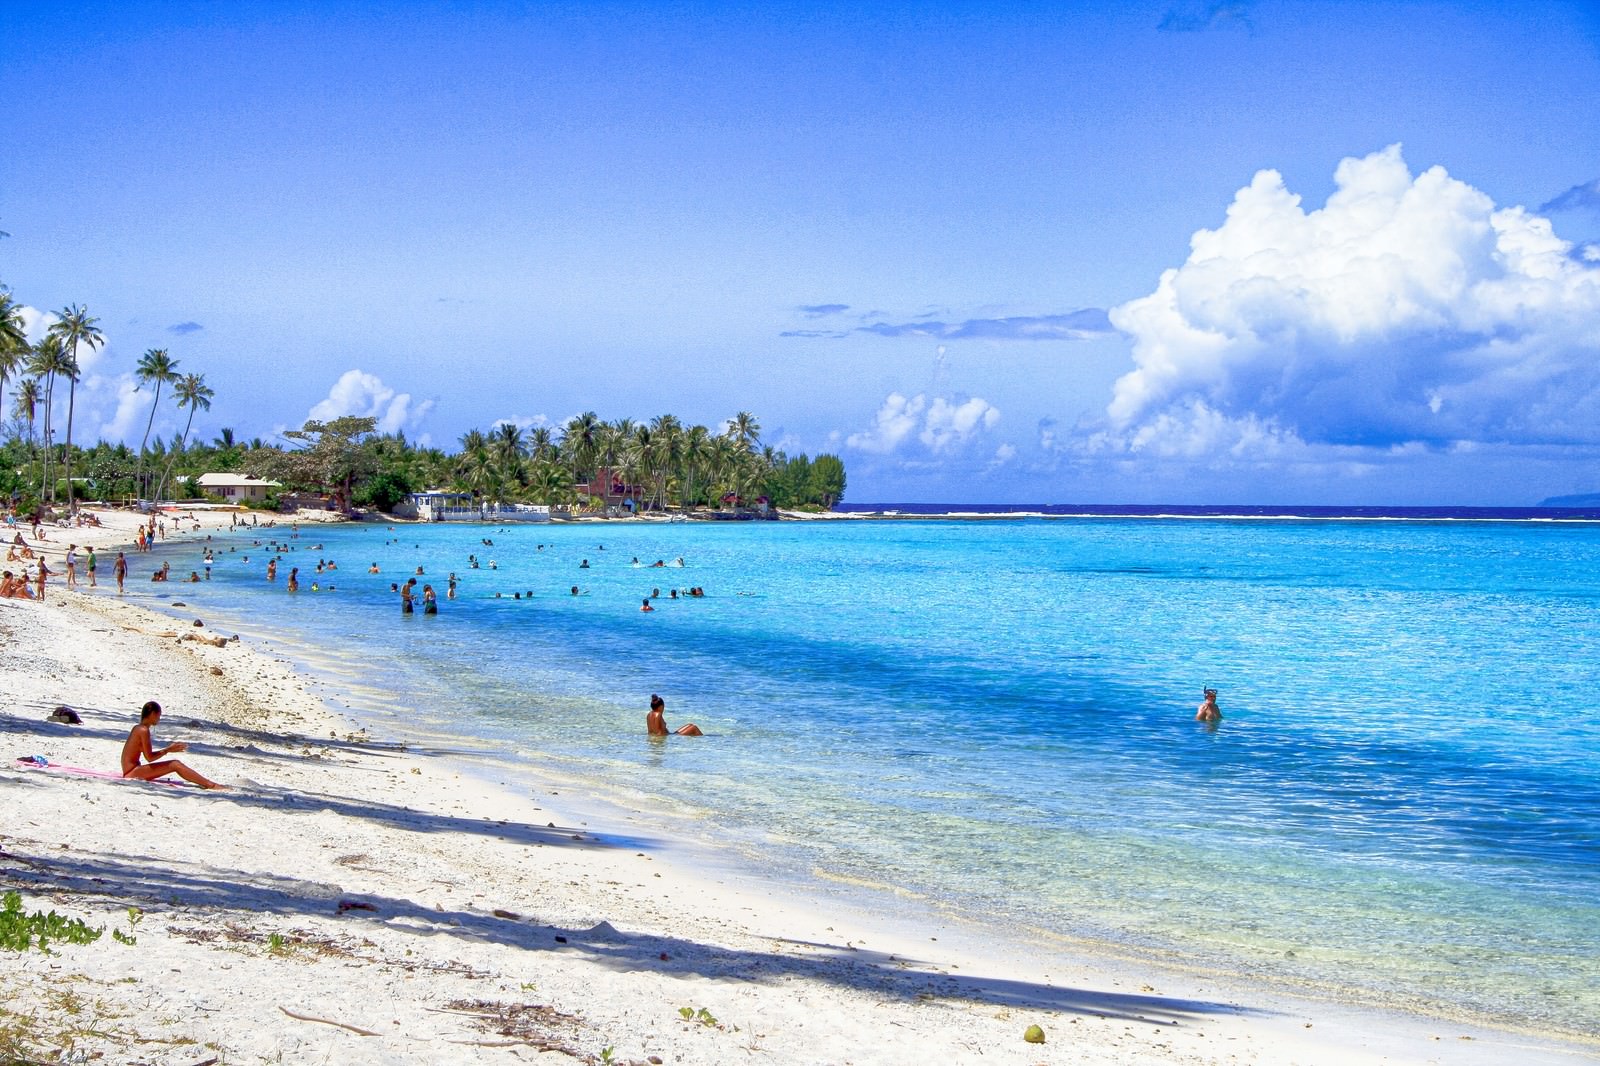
[
  {"x": 1003, "y": 456},
  {"x": 1576, "y": 198},
  {"x": 1407, "y": 308},
  {"x": 942, "y": 425},
  {"x": 895, "y": 421},
  {"x": 949, "y": 425},
  {"x": 366, "y": 396},
  {"x": 35, "y": 323},
  {"x": 130, "y": 412}
]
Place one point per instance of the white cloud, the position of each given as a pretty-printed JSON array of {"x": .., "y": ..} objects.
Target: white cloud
[
  {"x": 950, "y": 425},
  {"x": 1003, "y": 457},
  {"x": 366, "y": 396},
  {"x": 895, "y": 421},
  {"x": 131, "y": 412},
  {"x": 1404, "y": 309},
  {"x": 942, "y": 425},
  {"x": 521, "y": 422},
  {"x": 35, "y": 323}
]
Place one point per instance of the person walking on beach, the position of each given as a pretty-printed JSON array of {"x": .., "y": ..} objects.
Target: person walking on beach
[
  {"x": 139, "y": 759},
  {"x": 120, "y": 569},
  {"x": 655, "y": 722},
  {"x": 72, "y": 566},
  {"x": 1208, "y": 711}
]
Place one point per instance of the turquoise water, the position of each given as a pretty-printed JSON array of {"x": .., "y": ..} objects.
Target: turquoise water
[{"x": 1402, "y": 803}]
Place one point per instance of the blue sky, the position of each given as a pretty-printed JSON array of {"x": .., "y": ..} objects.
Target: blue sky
[{"x": 1006, "y": 252}]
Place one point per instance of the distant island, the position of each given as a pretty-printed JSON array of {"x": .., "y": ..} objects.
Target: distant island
[{"x": 1583, "y": 499}]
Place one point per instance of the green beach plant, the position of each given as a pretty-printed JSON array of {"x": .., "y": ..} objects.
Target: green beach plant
[{"x": 20, "y": 930}]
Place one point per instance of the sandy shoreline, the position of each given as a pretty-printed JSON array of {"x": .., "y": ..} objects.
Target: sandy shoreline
[{"x": 456, "y": 911}]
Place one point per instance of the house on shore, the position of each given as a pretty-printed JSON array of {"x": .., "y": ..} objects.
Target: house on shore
[{"x": 237, "y": 488}]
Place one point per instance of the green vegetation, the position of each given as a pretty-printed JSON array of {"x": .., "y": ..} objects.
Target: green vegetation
[
  {"x": 658, "y": 465},
  {"x": 702, "y": 1016},
  {"x": 19, "y": 930}
]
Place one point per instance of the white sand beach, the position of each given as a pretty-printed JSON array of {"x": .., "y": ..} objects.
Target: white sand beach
[{"x": 354, "y": 898}]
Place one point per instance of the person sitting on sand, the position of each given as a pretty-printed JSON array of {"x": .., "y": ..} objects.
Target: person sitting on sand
[
  {"x": 139, "y": 760},
  {"x": 1207, "y": 711},
  {"x": 656, "y": 721},
  {"x": 14, "y": 588}
]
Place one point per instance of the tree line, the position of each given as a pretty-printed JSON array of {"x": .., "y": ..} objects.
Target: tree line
[
  {"x": 656, "y": 464},
  {"x": 659, "y": 464}
]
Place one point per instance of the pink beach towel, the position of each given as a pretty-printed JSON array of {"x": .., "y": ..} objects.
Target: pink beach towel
[{"x": 39, "y": 762}]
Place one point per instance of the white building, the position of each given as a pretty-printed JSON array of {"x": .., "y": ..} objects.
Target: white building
[{"x": 236, "y": 486}]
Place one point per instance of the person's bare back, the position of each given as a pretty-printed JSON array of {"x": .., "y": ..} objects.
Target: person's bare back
[
  {"x": 139, "y": 758},
  {"x": 656, "y": 722}
]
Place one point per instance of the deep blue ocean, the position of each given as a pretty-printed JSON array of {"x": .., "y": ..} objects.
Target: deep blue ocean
[{"x": 1402, "y": 803}]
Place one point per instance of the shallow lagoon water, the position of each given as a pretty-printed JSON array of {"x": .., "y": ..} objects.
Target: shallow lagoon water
[{"x": 1403, "y": 800}]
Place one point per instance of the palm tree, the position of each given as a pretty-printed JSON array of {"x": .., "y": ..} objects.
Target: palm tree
[
  {"x": 579, "y": 437},
  {"x": 13, "y": 342},
  {"x": 696, "y": 452},
  {"x": 744, "y": 429},
  {"x": 26, "y": 405},
  {"x": 541, "y": 444},
  {"x": 75, "y": 326},
  {"x": 193, "y": 393},
  {"x": 49, "y": 359},
  {"x": 155, "y": 366}
]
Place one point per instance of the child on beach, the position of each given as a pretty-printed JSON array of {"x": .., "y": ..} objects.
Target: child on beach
[{"x": 139, "y": 760}]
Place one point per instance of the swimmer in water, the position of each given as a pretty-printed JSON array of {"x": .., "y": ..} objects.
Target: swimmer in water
[
  {"x": 656, "y": 722},
  {"x": 1207, "y": 711}
]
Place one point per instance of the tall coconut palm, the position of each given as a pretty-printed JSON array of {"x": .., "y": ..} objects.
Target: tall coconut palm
[
  {"x": 507, "y": 443},
  {"x": 75, "y": 326},
  {"x": 744, "y": 429},
  {"x": 13, "y": 342},
  {"x": 541, "y": 444},
  {"x": 155, "y": 367},
  {"x": 579, "y": 437},
  {"x": 25, "y": 405},
  {"x": 193, "y": 393},
  {"x": 667, "y": 452},
  {"x": 49, "y": 359},
  {"x": 696, "y": 452}
]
